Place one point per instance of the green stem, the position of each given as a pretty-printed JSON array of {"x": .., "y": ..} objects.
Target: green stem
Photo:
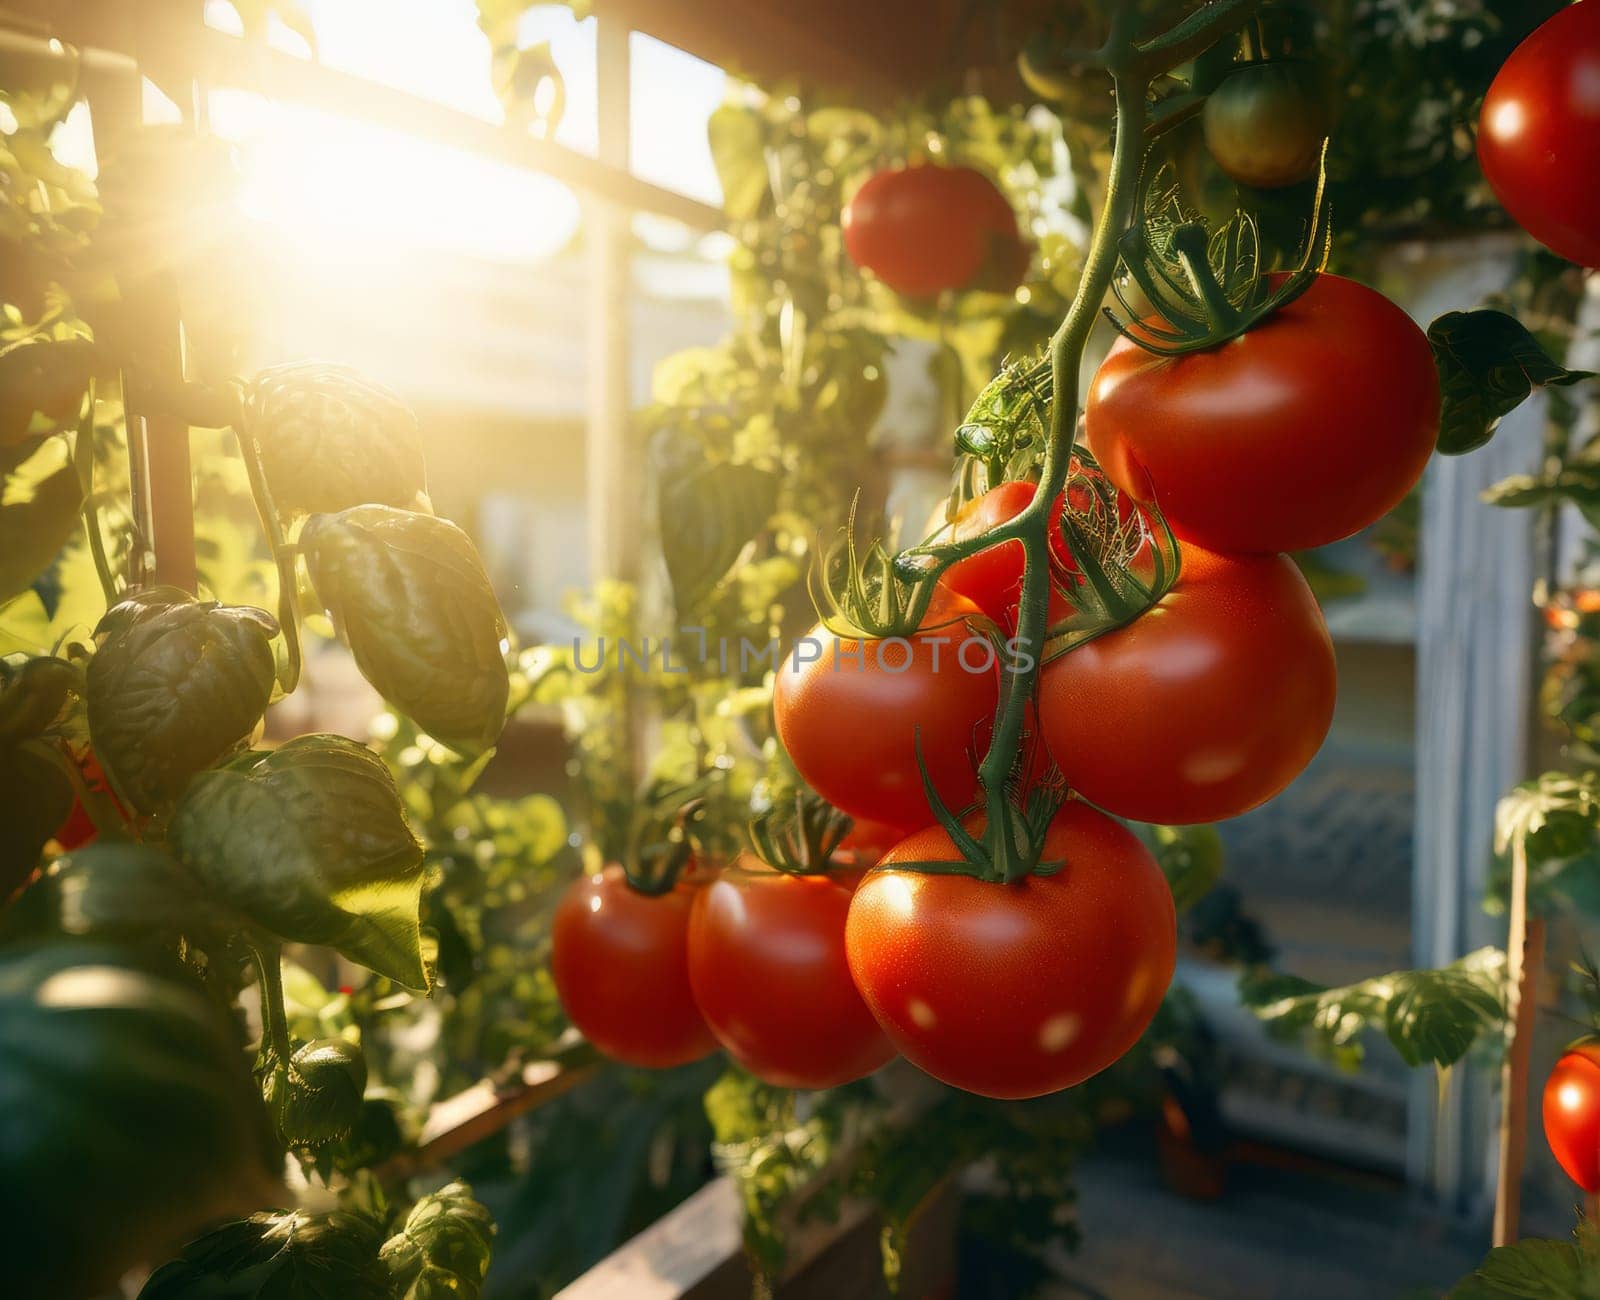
[
  {"x": 83, "y": 462},
  {"x": 1193, "y": 36},
  {"x": 1066, "y": 356},
  {"x": 283, "y": 556},
  {"x": 1191, "y": 244},
  {"x": 274, "y": 1019}
]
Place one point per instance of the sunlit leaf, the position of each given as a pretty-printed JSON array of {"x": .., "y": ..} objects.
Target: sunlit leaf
[
  {"x": 1430, "y": 1016},
  {"x": 310, "y": 841},
  {"x": 35, "y": 523},
  {"x": 279, "y": 1253},
  {"x": 443, "y": 1248},
  {"x": 331, "y": 439}
]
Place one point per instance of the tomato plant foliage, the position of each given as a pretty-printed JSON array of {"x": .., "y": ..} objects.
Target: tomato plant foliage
[{"x": 223, "y": 853}]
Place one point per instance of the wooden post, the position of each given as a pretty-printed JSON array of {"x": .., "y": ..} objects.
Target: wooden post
[
  {"x": 158, "y": 443},
  {"x": 1477, "y": 641},
  {"x": 613, "y": 478},
  {"x": 1524, "y": 961}
]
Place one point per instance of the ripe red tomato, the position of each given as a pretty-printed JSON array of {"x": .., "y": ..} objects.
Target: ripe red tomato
[
  {"x": 992, "y": 579},
  {"x": 867, "y": 841},
  {"x": 1572, "y": 1114},
  {"x": 925, "y": 228},
  {"x": 79, "y": 828},
  {"x": 850, "y": 717},
  {"x": 620, "y": 960},
  {"x": 767, "y": 965},
  {"x": 1203, "y": 707},
  {"x": 1539, "y": 134},
  {"x": 1017, "y": 990},
  {"x": 1302, "y": 431}
]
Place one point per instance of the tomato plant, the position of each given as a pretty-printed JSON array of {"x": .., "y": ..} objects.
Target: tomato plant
[
  {"x": 620, "y": 960},
  {"x": 853, "y": 712},
  {"x": 1572, "y": 1114},
  {"x": 927, "y": 229},
  {"x": 1301, "y": 431},
  {"x": 1205, "y": 706},
  {"x": 767, "y": 965},
  {"x": 1539, "y": 134},
  {"x": 1266, "y": 123},
  {"x": 1023, "y": 989}
]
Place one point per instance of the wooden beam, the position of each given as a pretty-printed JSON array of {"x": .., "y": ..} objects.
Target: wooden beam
[
  {"x": 230, "y": 60},
  {"x": 219, "y": 59},
  {"x": 486, "y": 1107}
]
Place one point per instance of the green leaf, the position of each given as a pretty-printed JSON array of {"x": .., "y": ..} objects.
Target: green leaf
[
  {"x": 1430, "y": 1016},
  {"x": 1488, "y": 365},
  {"x": 34, "y": 695},
  {"x": 175, "y": 685},
  {"x": 1535, "y": 1269},
  {"x": 738, "y": 150},
  {"x": 279, "y": 1255},
  {"x": 1191, "y": 859},
  {"x": 120, "y": 889},
  {"x": 1520, "y": 491},
  {"x": 410, "y": 597},
  {"x": 34, "y": 528},
  {"x": 331, "y": 439},
  {"x": 1552, "y": 816},
  {"x": 443, "y": 1249},
  {"x": 43, "y": 375},
  {"x": 1434, "y": 1016},
  {"x": 322, "y": 1089},
  {"x": 310, "y": 841},
  {"x": 708, "y": 515},
  {"x": 102, "y": 1051}
]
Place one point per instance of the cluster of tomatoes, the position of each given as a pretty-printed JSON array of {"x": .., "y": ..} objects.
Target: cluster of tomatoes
[{"x": 1298, "y": 432}]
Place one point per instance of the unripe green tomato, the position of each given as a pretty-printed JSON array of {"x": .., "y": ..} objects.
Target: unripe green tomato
[{"x": 1266, "y": 123}]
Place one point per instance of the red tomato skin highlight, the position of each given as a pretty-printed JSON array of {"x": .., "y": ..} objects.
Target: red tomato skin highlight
[
  {"x": 1298, "y": 433},
  {"x": 851, "y": 725},
  {"x": 1539, "y": 134},
  {"x": 1015, "y": 991},
  {"x": 767, "y": 965},
  {"x": 1203, "y": 707},
  {"x": 926, "y": 228},
  {"x": 620, "y": 960},
  {"x": 1572, "y": 1114}
]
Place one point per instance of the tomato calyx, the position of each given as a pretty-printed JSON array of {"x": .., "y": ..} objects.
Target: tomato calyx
[
  {"x": 866, "y": 593},
  {"x": 1207, "y": 288},
  {"x": 1004, "y": 849},
  {"x": 1124, "y": 561},
  {"x": 799, "y": 835},
  {"x": 658, "y": 841}
]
